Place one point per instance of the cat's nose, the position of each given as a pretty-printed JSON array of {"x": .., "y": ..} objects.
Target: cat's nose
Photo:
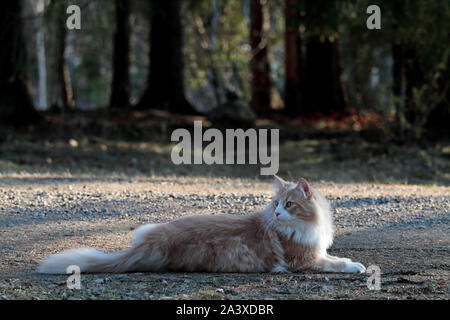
[{"x": 277, "y": 214}]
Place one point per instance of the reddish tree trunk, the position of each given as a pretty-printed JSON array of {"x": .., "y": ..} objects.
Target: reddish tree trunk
[
  {"x": 260, "y": 67},
  {"x": 65, "y": 82}
]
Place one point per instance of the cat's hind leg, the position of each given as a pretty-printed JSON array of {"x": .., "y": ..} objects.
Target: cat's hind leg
[
  {"x": 141, "y": 233},
  {"x": 335, "y": 264}
]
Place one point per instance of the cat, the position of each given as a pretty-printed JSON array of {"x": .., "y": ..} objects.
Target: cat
[{"x": 291, "y": 234}]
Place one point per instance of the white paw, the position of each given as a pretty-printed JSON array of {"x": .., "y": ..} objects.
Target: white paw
[
  {"x": 354, "y": 267},
  {"x": 280, "y": 269}
]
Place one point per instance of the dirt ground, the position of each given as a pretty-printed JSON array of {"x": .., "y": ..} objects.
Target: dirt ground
[
  {"x": 82, "y": 183},
  {"x": 403, "y": 229}
]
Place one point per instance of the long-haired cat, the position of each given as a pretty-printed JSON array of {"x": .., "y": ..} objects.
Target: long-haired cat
[{"x": 291, "y": 234}]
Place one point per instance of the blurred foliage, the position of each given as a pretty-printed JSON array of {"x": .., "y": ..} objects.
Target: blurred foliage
[{"x": 217, "y": 51}]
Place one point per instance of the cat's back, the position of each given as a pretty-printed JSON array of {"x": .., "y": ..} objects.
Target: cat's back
[{"x": 217, "y": 224}]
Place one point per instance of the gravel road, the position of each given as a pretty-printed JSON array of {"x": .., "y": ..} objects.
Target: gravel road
[{"x": 402, "y": 229}]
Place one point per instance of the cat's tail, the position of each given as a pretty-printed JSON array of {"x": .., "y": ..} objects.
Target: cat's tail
[
  {"x": 89, "y": 261},
  {"x": 142, "y": 256}
]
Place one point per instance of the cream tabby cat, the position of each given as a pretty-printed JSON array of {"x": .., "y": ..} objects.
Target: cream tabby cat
[{"x": 291, "y": 234}]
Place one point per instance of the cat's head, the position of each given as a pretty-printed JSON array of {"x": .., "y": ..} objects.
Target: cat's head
[
  {"x": 293, "y": 202},
  {"x": 300, "y": 211}
]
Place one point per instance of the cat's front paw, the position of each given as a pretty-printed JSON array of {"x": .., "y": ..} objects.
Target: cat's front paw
[
  {"x": 354, "y": 267},
  {"x": 279, "y": 270}
]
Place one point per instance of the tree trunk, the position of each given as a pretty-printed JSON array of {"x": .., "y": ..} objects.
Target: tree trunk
[
  {"x": 324, "y": 90},
  {"x": 166, "y": 82},
  {"x": 439, "y": 119},
  {"x": 259, "y": 64},
  {"x": 398, "y": 86},
  {"x": 64, "y": 80},
  {"x": 120, "y": 91},
  {"x": 293, "y": 93},
  {"x": 406, "y": 73},
  {"x": 16, "y": 106},
  {"x": 40, "y": 54}
]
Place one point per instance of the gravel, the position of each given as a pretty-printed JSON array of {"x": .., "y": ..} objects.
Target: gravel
[{"x": 398, "y": 227}]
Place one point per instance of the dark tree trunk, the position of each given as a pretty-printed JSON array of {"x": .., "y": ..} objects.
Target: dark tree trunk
[
  {"x": 324, "y": 91},
  {"x": 260, "y": 67},
  {"x": 439, "y": 119},
  {"x": 406, "y": 76},
  {"x": 398, "y": 70},
  {"x": 293, "y": 90},
  {"x": 64, "y": 80},
  {"x": 414, "y": 79},
  {"x": 166, "y": 82},
  {"x": 120, "y": 91},
  {"x": 398, "y": 85},
  {"x": 16, "y": 106}
]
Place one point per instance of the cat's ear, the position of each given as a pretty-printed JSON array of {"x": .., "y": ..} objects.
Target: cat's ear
[
  {"x": 278, "y": 183},
  {"x": 304, "y": 188}
]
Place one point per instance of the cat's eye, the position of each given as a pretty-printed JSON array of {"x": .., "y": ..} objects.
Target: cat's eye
[
  {"x": 288, "y": 204},
  {"x": 275, "y": 203}
]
